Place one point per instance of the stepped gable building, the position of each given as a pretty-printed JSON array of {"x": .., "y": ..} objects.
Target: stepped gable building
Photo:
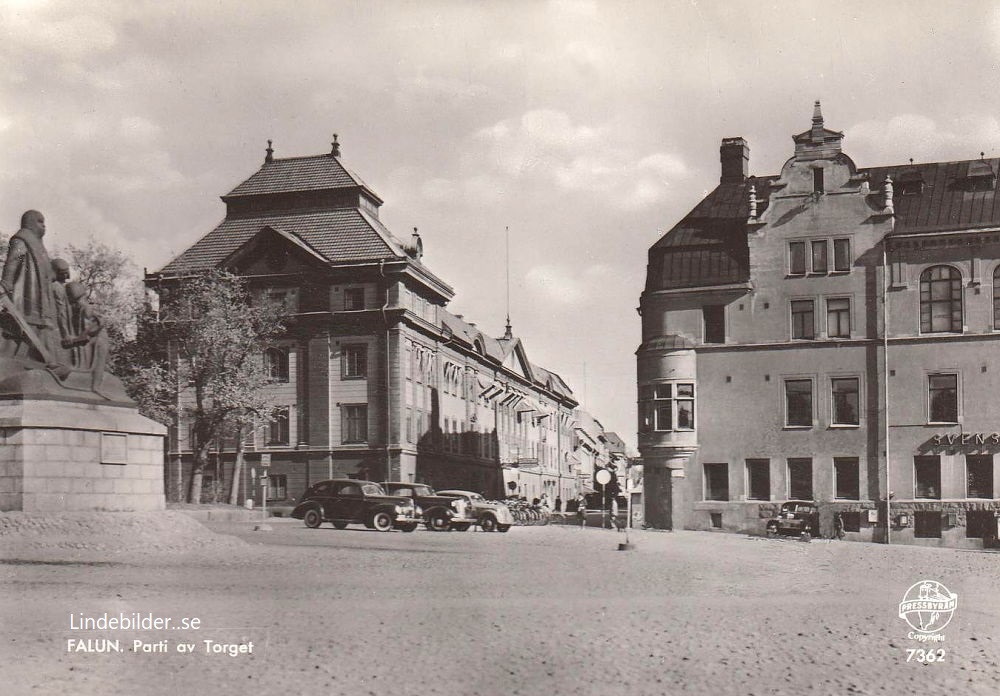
[
  {"x": 375, "y": 377},
  {"x": 825, "y": 334}
]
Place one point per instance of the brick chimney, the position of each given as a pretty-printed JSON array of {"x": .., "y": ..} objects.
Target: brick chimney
[{"x": 734, "y": 154}]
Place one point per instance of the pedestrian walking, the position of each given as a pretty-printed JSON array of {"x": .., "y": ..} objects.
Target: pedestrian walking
[
  {"x": 558, "y": 504},
  {"x": 614, "y": 514},
  {"x": 581, "y": 509},
  {"x": 838, "y": 526}
]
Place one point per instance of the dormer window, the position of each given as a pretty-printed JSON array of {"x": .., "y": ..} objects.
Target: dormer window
[
  {"x": 910, "y": 183},
  {"x": 981, "y": 176}
]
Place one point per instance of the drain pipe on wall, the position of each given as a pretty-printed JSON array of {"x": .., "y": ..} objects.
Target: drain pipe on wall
[
  {"x": 885, "y": 386},
  {"x": 388, "y": 386}
]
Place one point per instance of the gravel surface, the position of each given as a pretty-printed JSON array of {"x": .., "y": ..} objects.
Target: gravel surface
[{"x": 537, "y": 610}]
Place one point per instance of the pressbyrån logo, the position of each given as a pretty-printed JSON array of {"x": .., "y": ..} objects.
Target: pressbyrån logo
[{"x": 928, "y": 606}]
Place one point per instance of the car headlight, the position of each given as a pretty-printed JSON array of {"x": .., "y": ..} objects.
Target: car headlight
[
  {"x": 399, "y": 509},
  {"x": 417, "y": 511}
]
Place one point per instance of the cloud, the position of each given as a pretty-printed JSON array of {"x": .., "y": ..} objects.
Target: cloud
[
  {"x": 546, "y": 145},
  {"x": 566, "y": 286},
  {"x": 924, "y": 139}
]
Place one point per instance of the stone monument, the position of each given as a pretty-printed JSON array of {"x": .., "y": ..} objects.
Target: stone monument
[{"x": 70, "y": 437}]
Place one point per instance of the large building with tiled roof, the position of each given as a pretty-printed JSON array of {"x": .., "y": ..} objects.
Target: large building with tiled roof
[
  {"x": 374, "y": 377},
  {"x": 824, "y": 334}
]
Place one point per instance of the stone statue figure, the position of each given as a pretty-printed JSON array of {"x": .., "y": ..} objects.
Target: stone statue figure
[
  {"x": 52, "y": 342},
  {"x": 31, "y": 330},
  {"x": 64, "y": 315}
]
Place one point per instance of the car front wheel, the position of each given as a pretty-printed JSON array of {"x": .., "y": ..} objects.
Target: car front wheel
[
  {"x": 438, "y": 523},
  {"x": 772, "y": 532},
  {"x": 488, "y": 523},
  {"x": 312, "y": 518},
  {"x": 382, "y": 521}
]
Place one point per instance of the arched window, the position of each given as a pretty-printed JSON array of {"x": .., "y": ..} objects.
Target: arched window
[
  {"x": 940, "y": 300},
  {"x": 276, "y": 363},
  {"x": 996, "y": 298}
]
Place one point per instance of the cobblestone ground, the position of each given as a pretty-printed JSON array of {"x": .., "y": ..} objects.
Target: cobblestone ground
[{"x": 538, "y": 610}]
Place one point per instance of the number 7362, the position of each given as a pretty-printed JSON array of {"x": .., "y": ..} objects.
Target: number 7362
[{"x": 921, "y": 655}]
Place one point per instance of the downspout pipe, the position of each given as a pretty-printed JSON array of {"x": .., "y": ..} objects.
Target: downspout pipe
[
  {"x": 388, "y": 373},
  {"x": 885, "y": 387}
]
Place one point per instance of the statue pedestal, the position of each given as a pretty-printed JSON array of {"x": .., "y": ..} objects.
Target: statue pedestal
[{"x": 58, "y": 455}]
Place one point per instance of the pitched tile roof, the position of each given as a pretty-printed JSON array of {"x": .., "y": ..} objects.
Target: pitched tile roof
[
  {"x": 311, "y": 173},
  {"x": 708, "y": 246},
  {"x": 340, "y": 235},
  {"x": 946, "y": 200}
]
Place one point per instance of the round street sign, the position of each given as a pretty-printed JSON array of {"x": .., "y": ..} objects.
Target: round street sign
[{"x": 603, "y": 477}]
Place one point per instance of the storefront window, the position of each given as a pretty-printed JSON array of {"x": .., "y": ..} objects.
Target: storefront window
[
  {"x": 979, "y": 475},
  {"x": 927, "y": 477},
  {"x": 759, "y": 479},
  {"x": 848, "y": 485},
  {"x": 716, "y": 482},
  {"x": 800, "y": 479}
]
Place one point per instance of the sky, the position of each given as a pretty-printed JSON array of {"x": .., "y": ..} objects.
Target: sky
[{"x": 586, "y": 127}]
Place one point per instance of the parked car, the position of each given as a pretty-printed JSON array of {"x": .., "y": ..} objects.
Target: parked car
[
  {"x": 797, "y": 518},
  {"x": 488, "y": 515},
  {"x": 348, "y": 501},
  {"x": 441, "y": 513}
]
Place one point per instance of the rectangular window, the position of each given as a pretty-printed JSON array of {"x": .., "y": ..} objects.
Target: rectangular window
[
  {"x": 980, "y": 523},
  {"x": 845, "y": 400},
  {"x": 354, "y": 299},
  {"x": 841, "y": 254},
  {"x": 796, "y": 258},
  {"x": 716, "y": 482},
  {"x": 838, "y": 317},
  {"x": 979, "y": 475},
  {"x": 276, "y": 364},
  {"x": 800, "y": 484},
  {"x": 852, "y": 521},
  {"x": 759, "y": 479},
  {"x": 927, "y": 524},
  {"x": 685, "y": 406},
  {"x": 942, "y": 395},
  {"x": 819, "y": 260},
  {"x": 277, "y": 430},
  {"x": 354, "y": 423},
  {"x": 803, "y": 319},
  {"x": 818, "y": 180},
  {"x": 927, "y": 476},
  {"x": 714, "y": 317},
  {"x": 355, "y": 362},
  {"x": 277, "y": 486},
  {"x": 798, "y": 403},
  {"x": 848, "y": 480}
]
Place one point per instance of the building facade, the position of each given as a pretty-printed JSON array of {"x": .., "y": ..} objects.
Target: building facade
[
  {"x": 374, "y": 378},
  {"x": 826, "y": 334}
]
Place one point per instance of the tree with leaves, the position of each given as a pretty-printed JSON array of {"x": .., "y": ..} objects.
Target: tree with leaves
[{"x": 217, "y": 336}]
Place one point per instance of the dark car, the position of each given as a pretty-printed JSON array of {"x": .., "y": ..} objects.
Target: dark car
[
  {"x": 441, "y": 513},
  {"x": 797, "y": 518},
  {"x": 348, "y": 501}
]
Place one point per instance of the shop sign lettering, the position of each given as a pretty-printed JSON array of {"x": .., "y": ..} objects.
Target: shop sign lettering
[{"x": 966, "y": 439}]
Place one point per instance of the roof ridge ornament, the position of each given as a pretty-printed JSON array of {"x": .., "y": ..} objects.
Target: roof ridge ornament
[
  {"x": 752, "y": 193},
  {"x": 817, "y": 122},
  {"x": 335, "y": 147},
  {"x": 269, "y": 153},
  {"x": 889, "y": 208}
]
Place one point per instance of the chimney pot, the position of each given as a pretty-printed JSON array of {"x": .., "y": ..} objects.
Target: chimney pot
[{"x": 734, "y": 155}]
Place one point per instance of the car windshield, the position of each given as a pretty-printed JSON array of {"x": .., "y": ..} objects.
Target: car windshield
[
  {"x": 476, "y": 497},
  {"x": 372, "y": 489},
  {"x": 422, "y": 490}
]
